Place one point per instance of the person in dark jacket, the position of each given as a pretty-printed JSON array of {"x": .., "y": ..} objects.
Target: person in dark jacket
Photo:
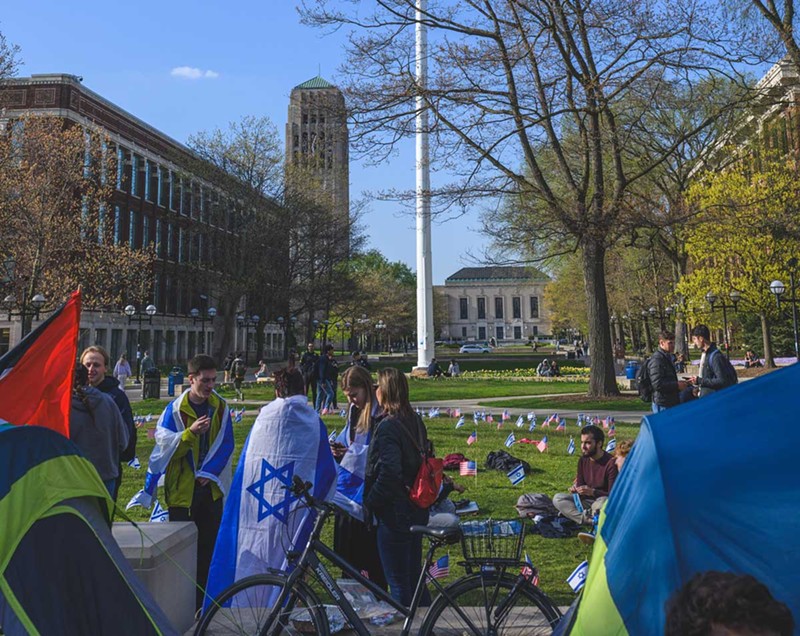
[
  {"x": 325, "y": 391},
  {"x": 663, "y": 377},
  {"x": 308, "y": 367},
  {"x": 392, "y": 465},
  {"x": 96, "y": 360},
  {"x": 716, "y": 371}
]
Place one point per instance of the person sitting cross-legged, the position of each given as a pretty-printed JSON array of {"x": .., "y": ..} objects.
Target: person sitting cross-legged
[
  {"x": 434, "y": 370},
  {"x": 597, "y": 472}
]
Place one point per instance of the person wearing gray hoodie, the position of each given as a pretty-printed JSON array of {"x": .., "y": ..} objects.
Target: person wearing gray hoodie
[{"x": 96, "y": 427}]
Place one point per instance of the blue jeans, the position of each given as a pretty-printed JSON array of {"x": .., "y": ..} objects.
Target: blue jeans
[
  {"x": 401, "y": 555},
  {"x": 324, "y": 395},
  {"x": 656, "y": 408}
]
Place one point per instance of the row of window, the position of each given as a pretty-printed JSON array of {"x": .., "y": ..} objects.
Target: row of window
[
  {"x": 499, "y": 333},
  {"x": 499, "y": 304}
]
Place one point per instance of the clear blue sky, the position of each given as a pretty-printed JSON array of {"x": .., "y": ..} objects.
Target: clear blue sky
[{"x": 250, "y": 54}]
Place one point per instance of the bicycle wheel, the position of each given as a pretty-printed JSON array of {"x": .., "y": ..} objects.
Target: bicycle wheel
[
  {"x": 245, "y": 607},
  {"x": 481, "y": 606}
]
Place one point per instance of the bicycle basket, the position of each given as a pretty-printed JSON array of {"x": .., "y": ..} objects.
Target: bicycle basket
[{"x": 492, "y": 541}]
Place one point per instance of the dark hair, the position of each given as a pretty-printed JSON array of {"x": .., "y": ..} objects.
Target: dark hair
[
  {"x": 702, "y": 331},
  {"x": 328, "y": 347},
  {"x": 736, "y": 601},
  {"x": 595, "y": 431},
  {"x": 288, "y": 382},
  {"x": 80, "y": 379},
  {"x": 666, "y": 335},
  {"x": 201, "y": 362}
]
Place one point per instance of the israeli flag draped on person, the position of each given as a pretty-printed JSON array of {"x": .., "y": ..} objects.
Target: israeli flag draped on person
[
  {"x": 352, "y": 469},
  {"x": 169, "y": 430},
  {"x": 262, "y": 520}
]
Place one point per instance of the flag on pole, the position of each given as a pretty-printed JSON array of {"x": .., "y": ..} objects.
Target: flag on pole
[
  {"x": 530, "y": 572},
  {"x": 516, "y": 475},
  {"x": 612, "y": 430},
  {"x": 149, "y": 417},
  {"x": 510, "y": 440},
  {"x": 562, "y": 425},
  {"x": 440, "y": 569},
  {"x": 490, "y": 418},
  {"x": 472, "y": 438},
  {"x": 532, "y": 425},
  {"x": 520, "y": 421},
  {"x": 468, "y": 469},
  {"x": 506, "y": 415},
  {"x": 542, "y": 446},
  {"x": 332, "y": 437},
  {"x": 605, "y": 422},
  {"x": 460, "y": 422},
  {"x": 612, "y": 445},
  {"x": 531, "y": 416},
  {"x": 36, "y": 375},
  {"x": 571, "y": 447},
  {"x": 160, "y": 514},
  {"x": 578, "y": 577},
  {"x": 456, "y": 412}
]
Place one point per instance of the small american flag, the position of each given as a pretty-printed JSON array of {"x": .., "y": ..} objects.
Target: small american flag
[
  {"x": 506, "y": 415},
  {"x": 530, "y": 572},
  {"x": 456, "y": 412},
  {"x": 542, "y": 446},
  {"x": 490, "y": 418},
  {"x": 562, "y": 425},
  {"x": 472, "y": 438},
  {"x": 440, "y": 568},
  {"x": 612, "y": 430},
  {"x": 468, "y": 469}
]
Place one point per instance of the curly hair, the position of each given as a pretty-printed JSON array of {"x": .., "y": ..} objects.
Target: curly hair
[
  {"x": 288, "y": 382},
  {"x": 735, "y": 601}
]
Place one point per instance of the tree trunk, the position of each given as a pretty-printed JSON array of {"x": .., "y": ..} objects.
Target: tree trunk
[
  {"x": 648, "y": 347},
  {"x": 602, "y": 379},
  {"x": 681, "y": 345},
  {"x": 224, "y": 326},
  {"x": 769, "y": 360}
]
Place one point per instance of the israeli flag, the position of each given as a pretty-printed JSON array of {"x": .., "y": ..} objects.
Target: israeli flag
[
  {"x": 460, "y": 422},
  {"x": 352, "y": 469},
  {"x": 342, "y": 413},
  {"x": 532, "y": 425},
  {"x": 160, "y": 515},
  {"x": 520, "y": 421},
  {"x": 571, "y": 447},
  {"x": 332, "y": 437},
  {"x": 578, "y": 577},
  {"x": 612, "y": 444},
  {"x": 168, "y": 434},
  {"x": 531, "y": 416},
  {"x": 510, "y": 440},
  {"x": 517, "y": 475},
  {"x": 262, "y": 519},
  {"x": 135, "y": 463}
]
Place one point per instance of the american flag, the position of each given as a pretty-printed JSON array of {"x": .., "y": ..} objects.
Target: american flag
[
  {"x": 472, "y": 438},
  {"x": 612, "y": 430},
  {"x": 510, "y": 440},
  {"x": 542, "y": 446},
  {"x": 530, "y": 572},
  {"x": 440, "y": 568},
  {"x": 571, "y": 447},
  {"x": 562, "y": 425},
  {"x": 506, "y": 415},
  {"x": 456, "y": 412},
  {"x": 490, "y": 418},
  {"x": 468, "y": 469},
  {"x": 460, "y": 422}
]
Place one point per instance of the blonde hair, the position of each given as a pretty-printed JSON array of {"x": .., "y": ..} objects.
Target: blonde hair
[
  {"x": 359, "y": 378},
  {"x": 394, "y": 393},
  {"x": 96, "y": 349},
  {"x": 623, "y": 448}
]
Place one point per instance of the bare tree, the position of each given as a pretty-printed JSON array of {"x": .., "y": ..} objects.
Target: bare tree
[
  {"x": 541, "y": 98},
  {"x": 9, "y": 58}
]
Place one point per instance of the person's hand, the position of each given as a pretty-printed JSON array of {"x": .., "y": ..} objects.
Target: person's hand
[
  {"x": 573, "y": 488},
  {"x": 693, "y": 380},
  {"x": 586, "y": 491},
  {"x": 338, "y": 450},
  {"x": 200, "y": 425},
  {"x": 682, "y": 385}
]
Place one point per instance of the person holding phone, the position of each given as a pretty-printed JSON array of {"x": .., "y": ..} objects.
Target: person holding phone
[{"x": 663, "y": 377}]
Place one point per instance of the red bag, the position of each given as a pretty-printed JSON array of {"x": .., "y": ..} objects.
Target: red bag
[{"x": 428, "y": 482}]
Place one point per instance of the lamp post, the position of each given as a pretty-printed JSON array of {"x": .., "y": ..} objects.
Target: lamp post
[
  {"x": 778, "y": 289},
  {"x": 362, "y": 322},
  {"x": 662, "y": 317},
  {"x": 133, "y": 314},
  {"x": 346, "y": 327},
  {"x": 25, "y": 312},
  {"x": 325, "y": 323},
  {"x": 246, "y": 322},
  {"x": 379, "y": 329},
  {"x": 713, "y": 299},
  {"x": 201, "y": 315}
]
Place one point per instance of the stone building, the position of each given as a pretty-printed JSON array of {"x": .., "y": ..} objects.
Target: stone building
[{"x": 504, "y": 303}]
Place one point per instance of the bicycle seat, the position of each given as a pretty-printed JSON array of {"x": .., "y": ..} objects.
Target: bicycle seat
[{"x": 448, "y": 534}]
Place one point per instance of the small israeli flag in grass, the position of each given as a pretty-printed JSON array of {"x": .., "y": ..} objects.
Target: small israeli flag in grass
[
  {"x": 531, "y": 416},
  {"x": 532, "y": 424},
  {"x": 612, "y": 444},
  {"x": 160, "y": 515},
  {"x": 460, "y": 422},
  {"x": 517, "y": 475},
  {"x": 343, "y": 413},
  {"x": 520, "y": 421},
  {"x": 571, "y": 447},
  {"x": 510, "y": 440},
  {"x": 135, "y": 463},
  {"x": 332, "y": 436},
  {"x": 578, "y": 577}
]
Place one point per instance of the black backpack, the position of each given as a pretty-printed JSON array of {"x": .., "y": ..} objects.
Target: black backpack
[
  {"x": 505, "y": 461},
  {"x": 728, "y": 372},
  {"x": 643, "y": 383}
]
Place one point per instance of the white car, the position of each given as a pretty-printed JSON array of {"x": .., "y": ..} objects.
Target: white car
[{"x": 474, "y": 348}]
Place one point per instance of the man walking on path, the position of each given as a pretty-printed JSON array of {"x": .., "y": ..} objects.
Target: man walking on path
[
  {"x": 716, "y": 371},
  {"x": 308, "y": 367},
  {"x": 663, "y": 377},
  {"x": 597, "y": 472}
]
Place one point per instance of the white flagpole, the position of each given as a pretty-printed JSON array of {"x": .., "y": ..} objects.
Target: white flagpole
[{"x": 425, "y": 336}]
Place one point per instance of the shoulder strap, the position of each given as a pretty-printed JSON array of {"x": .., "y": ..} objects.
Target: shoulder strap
[{"x": 416, "y": 444}]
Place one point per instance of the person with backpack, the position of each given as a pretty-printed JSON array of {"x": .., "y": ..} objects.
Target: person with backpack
[
  {"x": 666, "y": 387},
  {"x": 716, "y": 371}
]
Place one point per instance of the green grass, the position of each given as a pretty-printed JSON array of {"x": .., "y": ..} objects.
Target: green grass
[
  {"x": 490, "y": 362},
  {"x": 552, "y": 472},
  {"x": 622, "y": 403}
]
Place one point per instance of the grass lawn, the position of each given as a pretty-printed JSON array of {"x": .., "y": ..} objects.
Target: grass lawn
[
  {"x": 552, "y": 472},
  {"x": 621, "y": 403}
]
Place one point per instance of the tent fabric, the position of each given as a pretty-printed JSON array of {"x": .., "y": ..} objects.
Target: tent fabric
[
  {"x": 61, "y": 572},
  {"x": 709, "y": 485}
]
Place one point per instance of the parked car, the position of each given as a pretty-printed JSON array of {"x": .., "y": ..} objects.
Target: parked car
[{"x": 475, "y": 348}]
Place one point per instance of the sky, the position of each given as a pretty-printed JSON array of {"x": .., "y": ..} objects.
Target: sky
[{"x": 184, "y": 67}]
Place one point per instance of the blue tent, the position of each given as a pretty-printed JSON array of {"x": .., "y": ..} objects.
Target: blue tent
[{"x": 710, "y": 485}]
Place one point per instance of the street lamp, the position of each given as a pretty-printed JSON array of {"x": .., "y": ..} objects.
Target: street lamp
[
  {"x": 667, "y": 315},
  {"x": 246, "y": 323},
  {"x": 346, "y": 327},
  {"x": 325, "y": 322},
  {"x": 379, "y": 327},
  {"x": 713, "y": 301},
  {"x": 133, "y": 314},
  {"x": 778, "y": 289},
  {"x": 37, "y": 302},
  {"x": 196, "y": 315}
]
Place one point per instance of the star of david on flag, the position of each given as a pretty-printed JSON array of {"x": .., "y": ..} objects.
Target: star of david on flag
[
  {"x": 612, "y": 445},
  {"x": 510, "y": 440},
  {"x": 578, "y": 576},
  {"x": 520, "y": 421},
  {"x": 517, "y": 475},
  {"x": 160, "y": 514},
  {"x": 571, "y": 447},
  {"x": 284, "y": 475},
  {"x": 332, "y": 436}
]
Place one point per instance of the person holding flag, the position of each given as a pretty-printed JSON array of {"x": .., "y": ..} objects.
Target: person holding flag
[
  {"x": 194, "y": 444},
  {"x": 596, "y": 474}
]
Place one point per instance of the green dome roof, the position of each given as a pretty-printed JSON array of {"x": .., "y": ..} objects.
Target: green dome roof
[{"x": 315, "y": 82}]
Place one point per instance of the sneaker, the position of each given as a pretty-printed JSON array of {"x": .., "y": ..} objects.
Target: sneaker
[{"x": 586, "y": 537}]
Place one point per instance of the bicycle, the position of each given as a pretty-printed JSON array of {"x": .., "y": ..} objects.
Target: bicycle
[{"x": 488, "y": 600}]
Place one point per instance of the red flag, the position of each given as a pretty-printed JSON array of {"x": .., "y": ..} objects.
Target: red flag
[{"x": 36, "y": 375}]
